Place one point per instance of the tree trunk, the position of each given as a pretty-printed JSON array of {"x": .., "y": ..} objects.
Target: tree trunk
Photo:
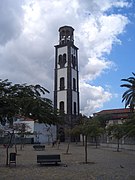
[
  {"x": 96, "y": 141},
  {"x": 15, "y": 144},
  {"x": 86, "y": 159},
  {"x": 7, "y": 156},
  {"x": 67, "y": 148},
  {"x": 21, "y": 146},
  {"x": 118, "y": 147},
  {"x": 83, "y": 138},
  {"x": 58, "y": 143},
  {"x": 10, "y": 140}
]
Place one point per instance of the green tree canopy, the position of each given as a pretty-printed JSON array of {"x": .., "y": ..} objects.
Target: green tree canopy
[
  {"x": 117, "y": 131},
  {"x": 26, "y": 100},
  {"x": 130, "y": 127}
]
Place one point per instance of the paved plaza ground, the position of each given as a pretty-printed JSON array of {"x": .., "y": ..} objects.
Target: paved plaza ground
[{"x": 104, "y": 164}]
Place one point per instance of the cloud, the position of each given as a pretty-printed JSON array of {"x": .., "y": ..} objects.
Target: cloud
[
  {"x": 10, "y": 21},
  {"x": 96, "y": 97},
  {"x": 94, "y": 68},
  {"x": 29, "y": 31}
]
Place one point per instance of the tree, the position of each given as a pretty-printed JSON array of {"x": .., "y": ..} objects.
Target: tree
[
  {"x": 21, "y": 129},
  {"x": 89, "y": 128},
  {"x": 82, "y": 119},
  {"x": 68, "y": 133},
  {"x": 26, "y": 100},
  {"x": 7, "y": 105},
  {"x": 117, "y": 131},
  {"x": 103, "y": 119},
  {"x": 129, "y": 95},
  {"x": 130, "y": 127},
  {"x": 95, "y": 130}
]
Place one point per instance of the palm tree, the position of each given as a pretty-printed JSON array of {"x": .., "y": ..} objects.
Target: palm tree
[{"x": 129, "y": 95}]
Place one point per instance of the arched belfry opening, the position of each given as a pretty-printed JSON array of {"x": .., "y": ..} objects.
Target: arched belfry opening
[{"x": 66, "y": 77}]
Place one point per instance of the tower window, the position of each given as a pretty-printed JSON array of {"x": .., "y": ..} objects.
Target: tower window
[
  {"x": 62, "y": 83},
  {"x": 73, "y": 61},
  {"x": 62, "y": 60},
  {"x": 75, "y": 108},
  {"x": 62, "y": 107},
  {"x": 74, "y": 84}
]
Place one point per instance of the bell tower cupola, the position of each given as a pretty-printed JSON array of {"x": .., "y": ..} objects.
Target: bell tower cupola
[{"x": 66, "y": 35}]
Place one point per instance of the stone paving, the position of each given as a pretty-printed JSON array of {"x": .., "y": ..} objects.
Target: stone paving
[{"x": 103, "y": 164}]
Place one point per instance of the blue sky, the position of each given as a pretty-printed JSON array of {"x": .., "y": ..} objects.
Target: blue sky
[
  {"x": 104, "y": 33},
  {"x": 124, "y": 57}
]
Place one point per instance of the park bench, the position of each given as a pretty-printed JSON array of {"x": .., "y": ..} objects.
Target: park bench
[
  {"x": 39, "y": 147},
  {"x": 51, "y": 158}
]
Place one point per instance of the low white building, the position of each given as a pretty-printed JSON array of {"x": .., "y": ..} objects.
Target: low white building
[
  {"x": 29, "y": 123},
  {"x": 37, "y": 132},
  {"x": 44, "y": 133}
]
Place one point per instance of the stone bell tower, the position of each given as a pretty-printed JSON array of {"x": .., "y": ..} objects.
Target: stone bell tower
[{"x": 66, "y": 79}]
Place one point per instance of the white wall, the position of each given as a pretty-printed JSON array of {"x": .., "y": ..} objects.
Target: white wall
[
  {"x": 44, "y": 133},
  {"x": 30, "y": 124}
]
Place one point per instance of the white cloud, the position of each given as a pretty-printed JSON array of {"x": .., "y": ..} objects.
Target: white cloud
[
  {"x": 92, "y": 98},
  {"x": 29, "y": 32},
  {"x": 94, "y": 68}
]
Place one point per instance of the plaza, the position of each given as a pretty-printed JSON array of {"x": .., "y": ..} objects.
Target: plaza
[{"x": 103, "y": 164}]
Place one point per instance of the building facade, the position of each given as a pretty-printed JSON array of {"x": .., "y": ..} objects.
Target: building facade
[
  {"x": 116, "y": 116},
  {"x": 66, "y": 78}
]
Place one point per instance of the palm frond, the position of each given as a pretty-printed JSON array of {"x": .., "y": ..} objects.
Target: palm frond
[{"x": 126, "y": 85}]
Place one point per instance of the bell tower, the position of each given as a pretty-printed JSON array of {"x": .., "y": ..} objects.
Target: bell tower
[{"x": 66, "y": 77}]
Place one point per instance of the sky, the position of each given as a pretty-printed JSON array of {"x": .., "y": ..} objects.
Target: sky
[{"x": 104, "y": 33}]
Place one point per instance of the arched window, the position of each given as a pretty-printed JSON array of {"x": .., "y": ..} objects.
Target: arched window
[
  {"x": 64, "y": 57},
  {"x": 62, "y": 83},
  {"x": 62, "y": 60},
  {"x": 62, "y": 107}
]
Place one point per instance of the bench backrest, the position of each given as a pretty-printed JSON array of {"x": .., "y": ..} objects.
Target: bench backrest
[
  {"x": 50, "y": 156},
  {"x": 39, "y": 146}
]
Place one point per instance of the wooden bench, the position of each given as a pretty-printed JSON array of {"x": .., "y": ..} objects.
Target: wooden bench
[
  {"x": 39, "y": 147},
  {"x": 51, "y": 158}
]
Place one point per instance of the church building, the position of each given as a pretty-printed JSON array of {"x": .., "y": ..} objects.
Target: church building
[{"x": 66, "y": 77}]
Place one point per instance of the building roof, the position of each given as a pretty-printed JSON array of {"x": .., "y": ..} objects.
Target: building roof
[
  {"x": 114, "y": 111},
  {"x": 66, "y": 27},
  {"x": 23, "y": 118},
  {"x": 115, "y": 114}
]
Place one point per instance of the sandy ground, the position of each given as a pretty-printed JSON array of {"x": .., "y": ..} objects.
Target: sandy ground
[{"x": 104, "y": 164}]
